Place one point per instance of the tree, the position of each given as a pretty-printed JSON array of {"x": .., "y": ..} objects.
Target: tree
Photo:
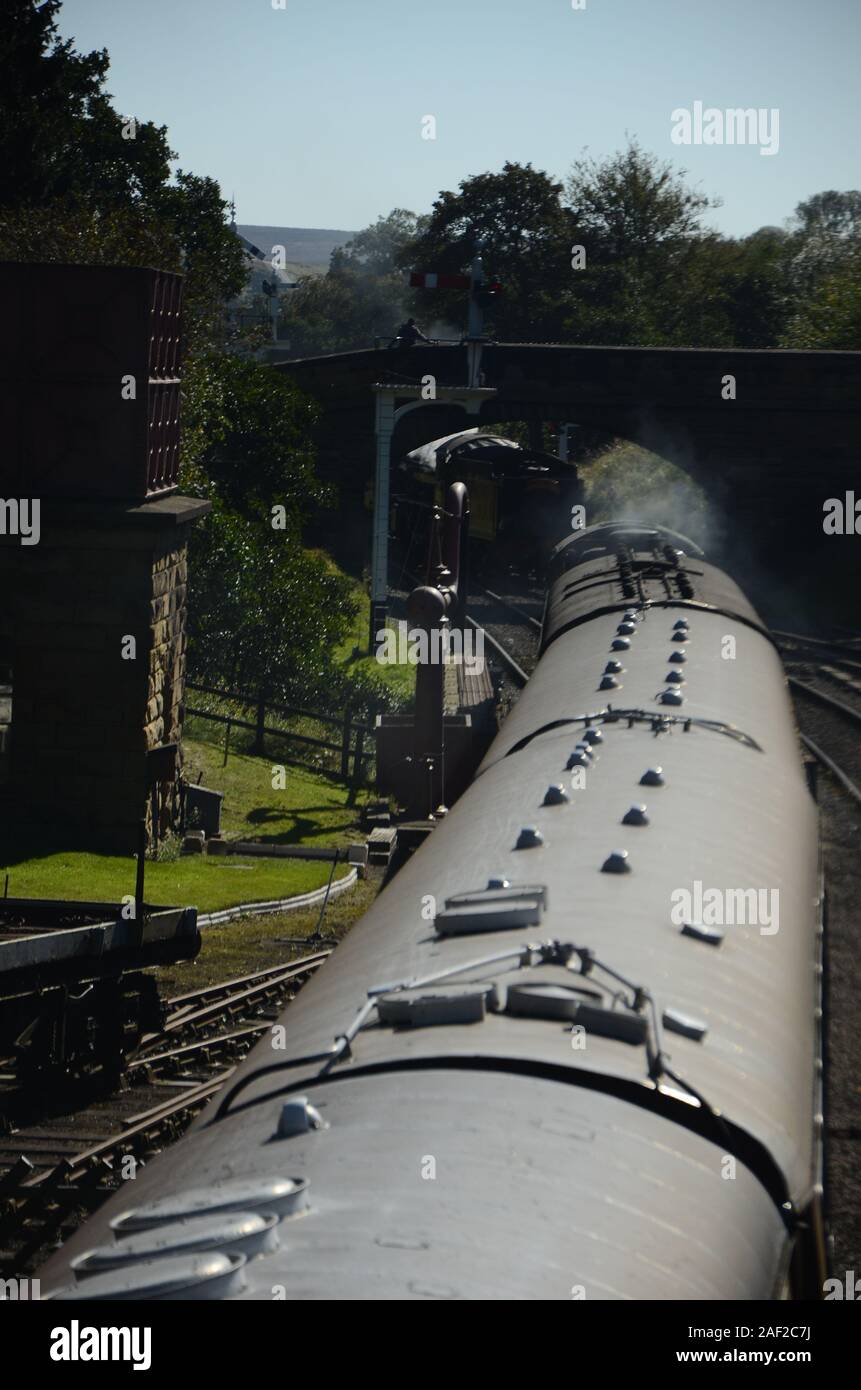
[
  {"x": 631, "y": 206},
  {"x": 342, "y": 310},
  {"x": 80, "y": 182},
  {"x": 264, "y": 613},
  {"x": 59, "y": 134},
  {"x": 829, "y": 316},
  {"x": 515, "y": 218},
  {"x": 375, "y": 250}
]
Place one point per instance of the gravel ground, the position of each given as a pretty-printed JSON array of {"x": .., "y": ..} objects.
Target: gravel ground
[{"x": 841, "y": 831}]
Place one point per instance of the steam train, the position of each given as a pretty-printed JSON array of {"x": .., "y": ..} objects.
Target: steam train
[
  {"x": 573, "y": 1050},
  {"x": 516, "y": 495}
]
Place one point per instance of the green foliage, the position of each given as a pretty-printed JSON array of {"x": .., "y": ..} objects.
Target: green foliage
[
  {"x": 516, "y": 220},
  {"x": 264, "y": 613},
  {"x": 246, "y": 440},
  {"x": 825, "y": 273},
  {"x": 360, "y": 298},
  {"x": 830, "y": 314},
  {"x": 653, "y": 275},
  {"x": 59, "y": 135},
  {"x": 79, "y": 183},
  {"x": 342, "y": 310}
]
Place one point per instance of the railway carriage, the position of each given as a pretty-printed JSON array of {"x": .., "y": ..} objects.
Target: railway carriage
[{"x": 526, "y": 1073}]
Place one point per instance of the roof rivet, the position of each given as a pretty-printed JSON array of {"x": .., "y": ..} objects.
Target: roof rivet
[
  {"x": 593, "y": 736},
  {"x": 635, "y": 816},
  {"x": 678, "y": 657},
  {"x": 652, "y": 777},
  {"x": 620, "y": 644},
  {"x": 608, "y": 683},
  {"x": 555, "y": 795},
  {"x": 616, "y": 863},
  {"x": 529, "y": 838}
]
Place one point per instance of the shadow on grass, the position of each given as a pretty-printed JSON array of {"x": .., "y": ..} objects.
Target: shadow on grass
[{"x": 303, "y": 828}]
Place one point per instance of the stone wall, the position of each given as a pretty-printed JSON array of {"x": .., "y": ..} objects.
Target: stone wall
[{"x": 93, "y": 623}]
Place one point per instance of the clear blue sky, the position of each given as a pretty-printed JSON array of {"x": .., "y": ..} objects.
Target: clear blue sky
[{"x": 311, "y": 115}]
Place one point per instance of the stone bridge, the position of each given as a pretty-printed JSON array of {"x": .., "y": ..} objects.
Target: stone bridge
[{"x": 768, "y": 458}]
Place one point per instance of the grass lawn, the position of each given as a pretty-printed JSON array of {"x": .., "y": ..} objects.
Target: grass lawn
[
  {"x": 191, "y": 881},
  {"x": 400, "y": 679},
  {"x": 312, "y": 809}
]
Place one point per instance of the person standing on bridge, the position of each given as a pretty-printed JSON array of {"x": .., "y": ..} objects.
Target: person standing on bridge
[{"x": 408, "y": 334}]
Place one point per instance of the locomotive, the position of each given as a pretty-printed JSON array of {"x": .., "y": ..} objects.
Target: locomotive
[
  {"x": 516, "y": 495},
  {"x": 573, "y": 1050}
]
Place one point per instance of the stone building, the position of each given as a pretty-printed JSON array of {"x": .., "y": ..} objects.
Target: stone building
[{"x": 93, "y": 599}]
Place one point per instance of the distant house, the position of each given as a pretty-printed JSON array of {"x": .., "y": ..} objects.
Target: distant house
[{"x": 261, "y": 271}]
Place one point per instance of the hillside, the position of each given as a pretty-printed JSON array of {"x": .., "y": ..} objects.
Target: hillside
[{"x": 307, "y": 247}]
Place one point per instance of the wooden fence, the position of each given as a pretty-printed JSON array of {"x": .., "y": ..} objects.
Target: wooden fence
[{"x": 350, "y": 744}]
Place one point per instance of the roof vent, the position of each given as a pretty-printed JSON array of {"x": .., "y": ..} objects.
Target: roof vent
[
  {"x": 529, "y": 838},
  {"x": 712, "y": 935},
  {"x": 298, "y": 1116},
  {"x": 625, "y": 629},
  {"x": 635, "y": 816},
  {"x": 608, "y": 683},
  {"x": 593, "y": 736},
  {"x": 652, "y": 777},
  {"x": 681, "y": 635},
  {"x": 613, "y": 1023},
  {"x": 620, "y": 644},
  {"x": 613, "y": 668},
  {"x": 579, "y": 758},
  {"x": 616, "y": 863},
  {"x": 675, "y": 677},
  {"x": 246, "y": 1233},
  {"x": 688, "y": 1027},
  {"x": 187, "y": 1276},
  {"x": 283, "y": 1196},
  {"x": 459, "y": 1004},
  {"x": 555, "y": 795},
  {"x": 671, "y": 697},
  {"x": 491, "y": 910},
  {"x": 540, "y": 1000}
]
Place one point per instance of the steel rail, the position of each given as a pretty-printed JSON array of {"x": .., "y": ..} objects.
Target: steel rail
[
  {"x": 832, "y": 766},
  {"x": 824, "y": 699}
]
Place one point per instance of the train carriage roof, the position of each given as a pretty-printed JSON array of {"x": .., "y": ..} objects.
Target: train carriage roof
[{"x": 478, "y": 450}]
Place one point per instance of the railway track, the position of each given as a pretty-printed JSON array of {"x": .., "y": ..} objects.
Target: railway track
[
  {"x": 61, "y": 1157},
  {"x": 828, "y": 705}
]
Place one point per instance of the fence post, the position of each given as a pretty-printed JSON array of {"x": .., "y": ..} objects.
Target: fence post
[
  {"x": 345, "y": 744},
  {"x": 261, "y": 721},
  {"x": 357, "y": 765}
]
